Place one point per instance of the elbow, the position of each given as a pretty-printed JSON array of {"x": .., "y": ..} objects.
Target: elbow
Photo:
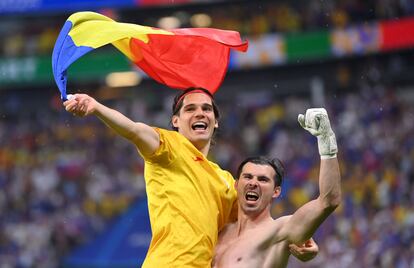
[
  {"x": 332, "y": 201},
  {"x": 132, "y": 133}
]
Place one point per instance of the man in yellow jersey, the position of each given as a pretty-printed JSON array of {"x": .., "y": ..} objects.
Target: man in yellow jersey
[
  {"x": 258, "y": 240},
  {"x": 190, "y": 199}
]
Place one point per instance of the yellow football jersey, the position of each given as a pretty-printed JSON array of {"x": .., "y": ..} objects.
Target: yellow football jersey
[{"x": 190, "y": 199}]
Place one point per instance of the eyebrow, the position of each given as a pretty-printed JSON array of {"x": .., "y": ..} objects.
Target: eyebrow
[
  {"x": 193, "y": 104},
  {"x": 251, "y": 175},
  {"x": 263, "y": 177}
]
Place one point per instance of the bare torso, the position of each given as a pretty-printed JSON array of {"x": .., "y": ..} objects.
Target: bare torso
[{"x": 255, "y": 247}]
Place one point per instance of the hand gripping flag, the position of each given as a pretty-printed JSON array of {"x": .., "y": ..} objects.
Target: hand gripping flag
[{"x": 179, "y": 58}]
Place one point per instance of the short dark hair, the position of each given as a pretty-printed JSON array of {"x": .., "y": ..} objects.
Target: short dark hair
[
  {"x": 179, "y": 98},
  {"x": 275, "y": 163}
]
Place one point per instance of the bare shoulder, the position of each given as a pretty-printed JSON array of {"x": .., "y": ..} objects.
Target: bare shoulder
[
  {"x": 277, "y": 230},
  {"x": 281, "y": 222},
  {"x": 226, "y": 229}
]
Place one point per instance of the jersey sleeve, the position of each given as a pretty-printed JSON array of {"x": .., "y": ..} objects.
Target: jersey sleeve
[
  {"x": 166, "y": 153},
  {"x": 234, "y": 206}
]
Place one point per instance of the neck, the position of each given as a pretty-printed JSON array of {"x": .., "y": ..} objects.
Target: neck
[
  {"x": 247, "y": 221},
  {"x": 203, "y": 148}
]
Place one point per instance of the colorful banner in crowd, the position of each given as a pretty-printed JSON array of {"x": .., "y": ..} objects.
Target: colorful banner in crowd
[
  {"x": 375, "y": 37},
  {"x": 41, "y": 6},
  {"x": 29, "y": 71},
  {"x": 396, "y": 34},
  {"x": 266, "y": 50}
]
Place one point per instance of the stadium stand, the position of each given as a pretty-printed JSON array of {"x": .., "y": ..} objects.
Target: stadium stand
[{"x": 64, "y": 180}]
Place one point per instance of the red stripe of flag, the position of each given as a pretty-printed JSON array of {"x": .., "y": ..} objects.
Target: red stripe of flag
[
  {"x": 228, "y": 38},
  {"x": 190, "y": 58}
]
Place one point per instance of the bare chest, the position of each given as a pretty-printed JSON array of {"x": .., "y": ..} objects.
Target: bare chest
[
  {"x": 249, "y": 251},
  {"x": 232, "y": 253}
]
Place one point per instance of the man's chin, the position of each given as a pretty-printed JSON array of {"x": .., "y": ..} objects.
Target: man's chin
[
  {"x": 250, "y": 206},
  {"x": 200, "y": 140},
  {"x": 201, "y": 137},
  {"x": 251, "y": 210}
]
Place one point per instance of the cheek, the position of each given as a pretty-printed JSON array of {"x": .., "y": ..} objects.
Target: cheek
[
  {"x": 183, "y": 121},
  {"x": 269, "y": 190},
  {"x": 239, "y": 187}
]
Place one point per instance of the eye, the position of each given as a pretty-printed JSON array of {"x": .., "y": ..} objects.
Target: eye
[
  {"x": 207, "y": 108},
  {"x": 189, "y": 108},
  {"x": 263, "y": 179}
]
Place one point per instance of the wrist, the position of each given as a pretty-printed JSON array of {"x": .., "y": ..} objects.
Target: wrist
[
  {"x": 327, "y": 145},
  {"x": 324, "y": 157},
  {"x": 98, "y": 109}
]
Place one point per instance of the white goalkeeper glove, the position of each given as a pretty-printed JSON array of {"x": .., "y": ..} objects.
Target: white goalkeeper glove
[{"x": 316, "y": 121}]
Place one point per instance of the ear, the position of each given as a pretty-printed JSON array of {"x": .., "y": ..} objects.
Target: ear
[
  {"x": 174, "y": 121},
  {"x": 216, "y": 124},
  {"x": 236, "y": 182},
  {"x": 277, "y": 191}
]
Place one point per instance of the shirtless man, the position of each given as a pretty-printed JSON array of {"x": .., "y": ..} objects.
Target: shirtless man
[{"x": 256, "y": 239}]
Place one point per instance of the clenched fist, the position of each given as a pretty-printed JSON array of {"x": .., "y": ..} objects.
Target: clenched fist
[
  {"x": 316, "y": 121},
  {"x": 80, "y": 104}
]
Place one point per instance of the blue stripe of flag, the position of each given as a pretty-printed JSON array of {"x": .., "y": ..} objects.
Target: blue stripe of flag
[{"x": 64, "y": 54}]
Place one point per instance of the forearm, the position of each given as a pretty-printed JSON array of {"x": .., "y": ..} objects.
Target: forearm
[
  {"x": 329, "y": 184},
  {"x": 143, "y": 136},
  {"x": 310, "y": 216},
  {"x": 305, "y": 221},
  {"x": 121, "y": 124},
  {"x": 317, "y": 123}
]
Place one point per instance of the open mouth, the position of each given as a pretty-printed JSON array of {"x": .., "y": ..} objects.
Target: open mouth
[
  {"x": 199, "y": 126},
  {"x": 252, "y": 196}
]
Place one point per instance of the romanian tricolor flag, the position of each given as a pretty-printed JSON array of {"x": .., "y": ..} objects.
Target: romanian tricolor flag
[{"x": 179, "y": 58}]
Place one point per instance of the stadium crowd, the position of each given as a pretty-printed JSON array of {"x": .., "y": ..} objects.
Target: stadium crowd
[
  {"x": 33, "y": 35},
  {"x": 63, "y": 178}
]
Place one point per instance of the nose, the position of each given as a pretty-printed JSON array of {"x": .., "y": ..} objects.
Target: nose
[
  {"x": 199, "y": 112},
  {"x": 252, "y": 183}
]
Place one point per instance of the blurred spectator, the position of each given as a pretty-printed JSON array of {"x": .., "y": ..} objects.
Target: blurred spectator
[
  {"x": 61, "y": 181},
  {"x": 36, "y": 36}
]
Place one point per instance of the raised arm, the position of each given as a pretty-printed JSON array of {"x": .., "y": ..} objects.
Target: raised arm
[
  {"x": 304, "y": 222},
  {"x": 143, "y": 136}
]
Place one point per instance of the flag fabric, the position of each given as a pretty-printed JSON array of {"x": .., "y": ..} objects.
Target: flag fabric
[{"x": 178, "y": 58}]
